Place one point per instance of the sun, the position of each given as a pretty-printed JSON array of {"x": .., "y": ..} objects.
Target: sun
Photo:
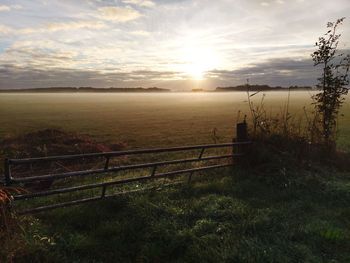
[
  {"x": 196, "y": 72},
  {"x": 199, "y": 61}
]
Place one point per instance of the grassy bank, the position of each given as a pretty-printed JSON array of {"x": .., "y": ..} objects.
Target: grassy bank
[{"x": 239, "y": 215}]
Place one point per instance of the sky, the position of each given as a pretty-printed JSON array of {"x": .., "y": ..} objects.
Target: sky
[{"x": 172, "y": 44}]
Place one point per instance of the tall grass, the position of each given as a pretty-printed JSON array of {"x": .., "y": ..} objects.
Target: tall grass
[{"x": 296, "y": 132}]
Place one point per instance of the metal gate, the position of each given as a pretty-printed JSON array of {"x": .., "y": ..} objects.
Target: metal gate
[{"x": 199, "y": 159}]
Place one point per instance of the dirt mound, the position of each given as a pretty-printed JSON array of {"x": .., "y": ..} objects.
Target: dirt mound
[{"x": 51, "y": 142}]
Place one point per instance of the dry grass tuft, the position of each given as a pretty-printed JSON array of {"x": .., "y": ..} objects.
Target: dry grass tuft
[{"x": 10, "y": 239}]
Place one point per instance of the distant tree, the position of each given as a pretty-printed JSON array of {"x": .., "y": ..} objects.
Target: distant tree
[{"x": 333, "y": 82}]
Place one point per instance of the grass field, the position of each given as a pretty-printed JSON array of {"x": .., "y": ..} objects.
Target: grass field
[
  {"x": 281, "y": 211},
  {"x": 145, "y": 120},
  {"x": 225, "y": 216}
]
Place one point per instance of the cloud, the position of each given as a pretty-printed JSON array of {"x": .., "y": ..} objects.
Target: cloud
[
  {"x": 142, "y": 3},
  {"x": 53, "y": 27},
  {"x": 38, "y": 57},
  {"x": 279, "y": 71},
  {"x": 155, "y": 75},
  {"x": 26, "y": 77},
  {"x": 5, "y": 30},
  {"x": 118, "y": 14},
  {"x": 140, "y": 33},
  {"x": 4, "y": 8},
  {"x": 264, "y": 4},
  {"x": 75, "y": 25},
  {"x": 282, "y": 71}
]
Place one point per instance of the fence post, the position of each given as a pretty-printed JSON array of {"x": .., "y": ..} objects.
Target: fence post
[
  {"x": 107, "y": 163},
  {"x": 199, "y": 157},
  {"x": 241, "y": 136},
  {"x": 242, "y": 132},
  {"x": 7, "y": 172}
]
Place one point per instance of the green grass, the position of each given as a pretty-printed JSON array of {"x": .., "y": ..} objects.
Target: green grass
[{"x": 225, "y": 216}]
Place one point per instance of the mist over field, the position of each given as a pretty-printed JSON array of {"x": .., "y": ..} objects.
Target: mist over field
[{"x": 147, "y": 120}]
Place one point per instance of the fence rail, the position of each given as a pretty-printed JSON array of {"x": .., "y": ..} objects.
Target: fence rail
[{"x": 9, "y": 179}]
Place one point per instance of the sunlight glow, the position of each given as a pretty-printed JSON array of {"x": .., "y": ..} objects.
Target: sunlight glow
[
  {"x": 198, "y": 61},
  {"x": 195, "y": 72}
]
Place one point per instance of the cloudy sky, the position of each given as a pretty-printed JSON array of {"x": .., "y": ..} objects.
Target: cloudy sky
[{"x": 165, "y": 43}]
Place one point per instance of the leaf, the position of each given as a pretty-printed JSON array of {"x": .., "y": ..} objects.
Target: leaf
[{"x": 254, "y": 94}]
